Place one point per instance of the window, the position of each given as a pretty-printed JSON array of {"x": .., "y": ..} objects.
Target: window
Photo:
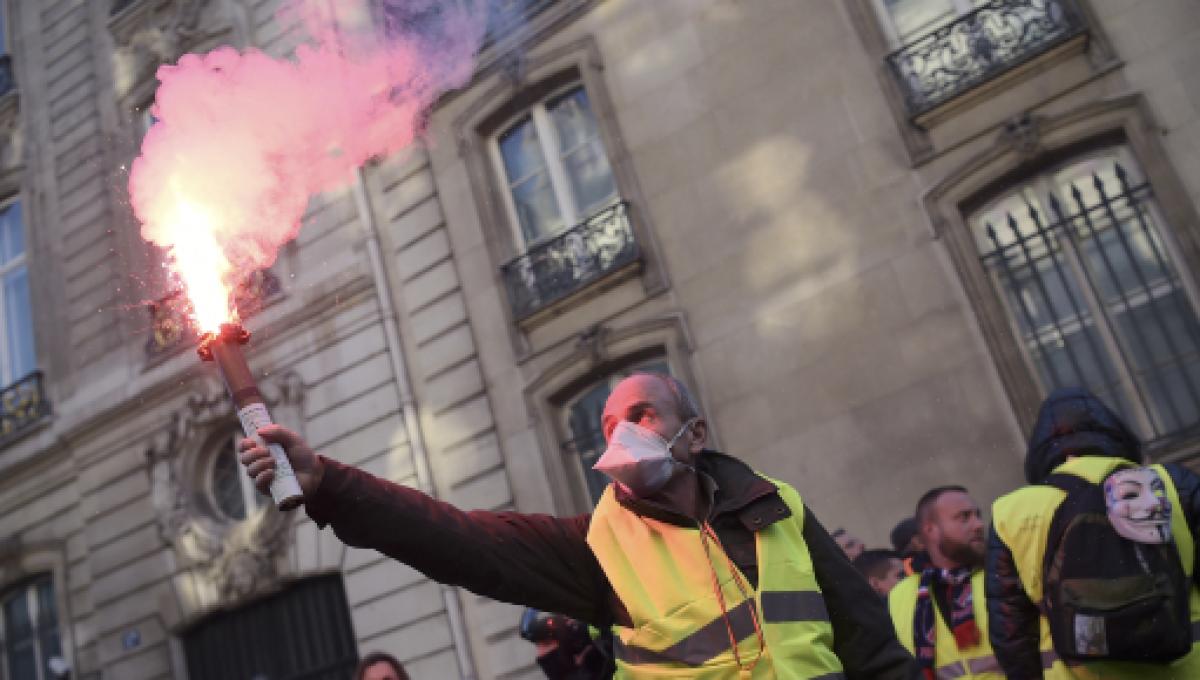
[
  {"x": 583, "y": 415},
  {"x": 302, "y": 633},
  {"x": 555, "y": 168},
  {"x": 17, "y": 356},
  {"x": 1089, "y": 276},
  {"x": 231, "y": 489},
  {"x": 28, "y": 631},
  {"x": 906, "y": 20}
]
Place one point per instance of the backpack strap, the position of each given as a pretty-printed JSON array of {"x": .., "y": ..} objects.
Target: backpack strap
[
  {"x": 1180, "y": 532},
  {"x": 1072, "y": 485}
]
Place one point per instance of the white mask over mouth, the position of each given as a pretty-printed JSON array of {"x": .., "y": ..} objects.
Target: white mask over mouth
[
  {"x": 639, "y": 458},
  {"x": 1138, "y": 506}
]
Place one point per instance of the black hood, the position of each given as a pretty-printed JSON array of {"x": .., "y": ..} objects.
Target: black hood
[{"x": 1072, "y": 421}]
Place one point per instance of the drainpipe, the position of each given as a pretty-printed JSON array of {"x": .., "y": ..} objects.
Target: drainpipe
[{"x": 412, "y": 426}]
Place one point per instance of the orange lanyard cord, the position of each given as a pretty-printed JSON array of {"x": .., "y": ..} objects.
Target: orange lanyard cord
[{"x": 706, "y": 533}]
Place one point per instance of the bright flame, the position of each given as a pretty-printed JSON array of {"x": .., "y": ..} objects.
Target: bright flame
[
  {"x": 243, "y": 139},
  {"x": 200, "y": 261}
]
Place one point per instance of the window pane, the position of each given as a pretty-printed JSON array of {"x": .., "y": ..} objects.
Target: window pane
[
  {"x": 573, "y": 120},
  {"x": 591, "y": 178},
  {"x": 522, "y": 152},
  {"x": 914, "y": 18},
  {"x": 18, "y": 629},
  {"x": 1164, "y": 357},
  {"x": 227, "y": 487},
  {"x": 47, "y": 623},
  {"x": 19, "y": 324},
  {"x": 12, "y": 234},
  {"x": 582, "y": 152},
  {"x": 537, "y": 208}
]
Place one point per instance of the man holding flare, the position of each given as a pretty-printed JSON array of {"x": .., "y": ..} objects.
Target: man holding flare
[{"x": 702, "y": 567}]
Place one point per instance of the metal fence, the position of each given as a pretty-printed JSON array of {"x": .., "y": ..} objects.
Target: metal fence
[
  {"x": 1099, "y": 302},
  {"x": 303, "y": 633},
  {"x": 557, "y": 267},
  {"x": 978, "y": 46},
  {"x": 22, "y": 405}
]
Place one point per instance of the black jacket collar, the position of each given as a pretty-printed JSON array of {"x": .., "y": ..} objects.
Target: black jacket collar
[{"x": 740, "y": 492}]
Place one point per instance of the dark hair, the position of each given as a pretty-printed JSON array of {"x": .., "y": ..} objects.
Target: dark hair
[
  {"x": 903, "y": 532},
  {"x": 930, "y": 497},
  {"x": 685, "y": 405},
  {"x": 379, "y": 657},
  {"x": 874, "y": 563}
]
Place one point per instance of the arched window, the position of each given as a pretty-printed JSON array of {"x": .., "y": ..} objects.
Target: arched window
[
  {"x": 1089, "y": 275},
  {"x": 230, "y": 488},
  {"x": 29, "y": 635},
  {"x": 582, "y": 415}
]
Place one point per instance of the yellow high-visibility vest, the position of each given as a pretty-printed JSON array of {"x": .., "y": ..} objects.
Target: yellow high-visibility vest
[
  {"x": 1022, "y": 520},
  {"x": 664, "y": 577},
  {"x": 948, "y": 662}
]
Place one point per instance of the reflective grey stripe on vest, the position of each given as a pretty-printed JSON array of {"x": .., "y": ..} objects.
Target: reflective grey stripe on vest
[
  {"x": 976, "y": 666},
  {"x": 798, "y": 605},
  {"x": 695, "y": 649},
  {"x": 713, "y": 638}
]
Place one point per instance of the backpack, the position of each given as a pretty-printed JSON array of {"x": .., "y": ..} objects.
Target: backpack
[{"x": 1107, "y": 597}]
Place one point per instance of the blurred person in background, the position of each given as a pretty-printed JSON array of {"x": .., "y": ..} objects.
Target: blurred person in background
[
  {"x": 850, "y": 544},
  {"x": 940, "y": 614},
  {"x": 380, "y": 666},
  {"x": 883, "y": 569},
  {"x": 566, "y": 648},
  {"x": 907, "y": 541}
]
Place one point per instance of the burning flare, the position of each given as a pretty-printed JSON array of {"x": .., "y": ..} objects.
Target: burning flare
[{"x": 242, "y": 139}]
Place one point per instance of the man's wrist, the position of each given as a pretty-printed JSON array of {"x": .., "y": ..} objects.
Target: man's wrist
[{"x": 318, "y": 475}]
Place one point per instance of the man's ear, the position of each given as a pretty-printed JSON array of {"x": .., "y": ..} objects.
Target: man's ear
[{"x": 699, "y": 436}]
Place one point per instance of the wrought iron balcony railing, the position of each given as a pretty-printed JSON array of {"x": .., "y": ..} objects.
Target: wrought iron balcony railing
[
  {"x": 22, "y": 404},
  {"x": 571, "y": 261},
  {"x": 979, "y": 46},
  {"x": 119, "y": 6}
]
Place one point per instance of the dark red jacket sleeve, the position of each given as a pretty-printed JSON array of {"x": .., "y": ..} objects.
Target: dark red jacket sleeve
[{"x": 532, "y": 560}]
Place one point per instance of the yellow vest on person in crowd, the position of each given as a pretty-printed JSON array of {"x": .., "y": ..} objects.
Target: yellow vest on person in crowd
[
  {"x": 664, "y": 577},
  {"x": 1022, "y": 519},
  {"x": 948, "y": 661}
]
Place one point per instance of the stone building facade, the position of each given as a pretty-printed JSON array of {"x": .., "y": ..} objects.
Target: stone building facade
[{"x": 869, "y": 234}]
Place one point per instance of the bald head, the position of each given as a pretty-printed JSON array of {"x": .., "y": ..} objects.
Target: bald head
[{"x": 654, "y": 401}]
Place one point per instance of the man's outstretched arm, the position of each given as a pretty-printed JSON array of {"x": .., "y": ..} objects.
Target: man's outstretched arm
[{"x": 533, "y": 560}]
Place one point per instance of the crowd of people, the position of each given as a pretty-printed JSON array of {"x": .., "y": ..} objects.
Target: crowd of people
[{"x": 694, "y": 565}]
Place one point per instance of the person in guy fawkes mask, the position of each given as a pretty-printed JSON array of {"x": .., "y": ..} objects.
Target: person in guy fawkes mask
[
  {"x": 1091, "y": 568},
  {"x": 701, "y": 567}
]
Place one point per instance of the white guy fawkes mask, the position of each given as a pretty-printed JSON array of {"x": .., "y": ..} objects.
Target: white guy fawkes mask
[{"x": 1138, "y": 506}]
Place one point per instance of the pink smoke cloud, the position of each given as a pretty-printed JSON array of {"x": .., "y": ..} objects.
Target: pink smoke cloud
[{"x": 242, "y": 140}]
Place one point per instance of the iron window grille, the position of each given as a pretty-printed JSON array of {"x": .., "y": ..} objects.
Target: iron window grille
[
  {"x": 303, "y": 633},
  {"x": 979, "y": 46},
  {"x": 22, "y": 405},
  {"x": 559, "y": 266},
  {"x": 29, "y": 631},
  {"x": 1098, "y": 302}
]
